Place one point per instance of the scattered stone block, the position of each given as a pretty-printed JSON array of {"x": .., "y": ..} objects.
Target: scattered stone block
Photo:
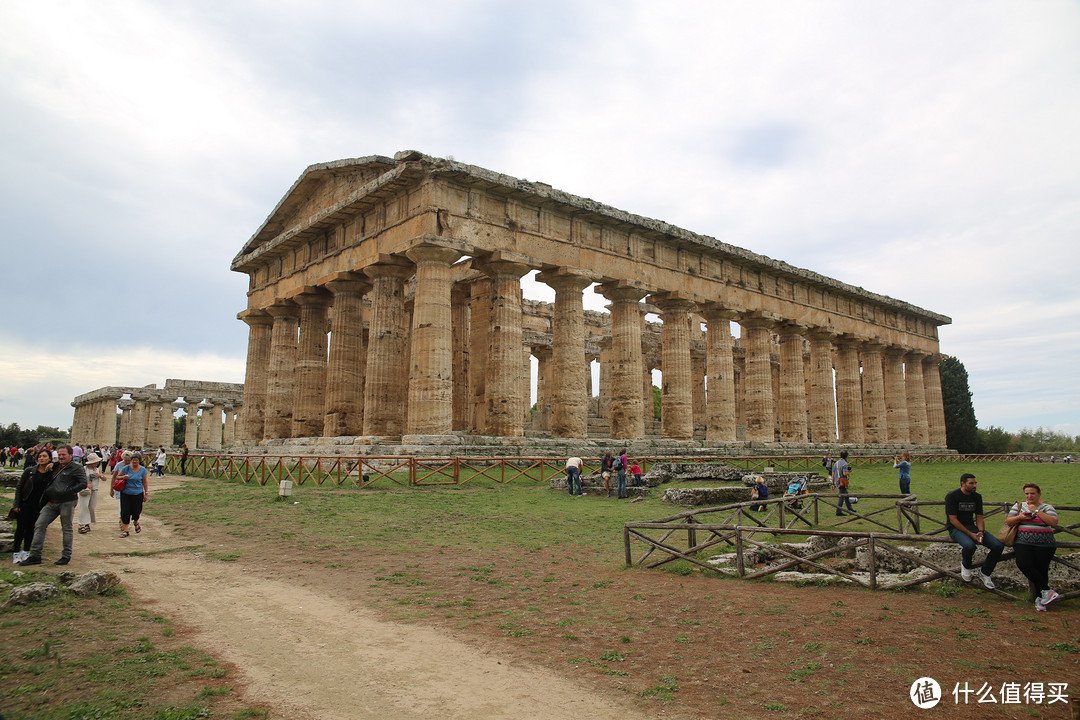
[
  {"x": 95, "y": 582},
  {"x": 34, "y": 592}
]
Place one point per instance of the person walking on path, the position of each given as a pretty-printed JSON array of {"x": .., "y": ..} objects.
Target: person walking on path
[
  {"x": 61, "y": 497},
  {"x": 183, "y": 459},
  {"x": 841, "y": 471},
  {"x": 1035, "y": 545},
  {"x": 903, "y": 464},
  {"x": 964, "y": 510},
  {"x": 88, "y": 498},
  {"x": 28, "y": 492},
  {"x": 573, "y": 474},
  {"x": 136, "y": 491}
]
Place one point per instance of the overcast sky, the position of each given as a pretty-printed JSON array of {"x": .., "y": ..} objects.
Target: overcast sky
[{"x": 927, "y": 151}]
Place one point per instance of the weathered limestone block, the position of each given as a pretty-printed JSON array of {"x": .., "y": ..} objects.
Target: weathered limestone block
[
  {"x": 95, "y": 582},
  {"x": 34, "y": 592},
  {"x": 673, "y": 472}
]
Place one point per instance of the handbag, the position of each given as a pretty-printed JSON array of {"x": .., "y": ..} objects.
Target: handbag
[
  {"x": 12, "y": 514},
  {"x": 1007, "y": 534},
  {"x": 119, "y": 484}
]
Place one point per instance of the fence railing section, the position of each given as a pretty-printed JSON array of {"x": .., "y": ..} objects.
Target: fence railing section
[
  {"x": 402, "y": 470},
  {"x": 697, "y": 534}
]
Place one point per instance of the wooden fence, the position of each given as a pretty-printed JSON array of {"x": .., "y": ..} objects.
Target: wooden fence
[
  {"x": 735, "y": 527},
  {"x": 404, "y": 470}
]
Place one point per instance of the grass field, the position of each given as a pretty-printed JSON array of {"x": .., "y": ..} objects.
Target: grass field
[{"x": 538, "y": 568}]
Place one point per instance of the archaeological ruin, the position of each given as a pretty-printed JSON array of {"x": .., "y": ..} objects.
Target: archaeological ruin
[
  {"x": 385, "y": 305},
  {"x": 146, "y": 414}
]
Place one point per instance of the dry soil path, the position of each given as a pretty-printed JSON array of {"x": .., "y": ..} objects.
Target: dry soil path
[{"x": 310, "y": 655}]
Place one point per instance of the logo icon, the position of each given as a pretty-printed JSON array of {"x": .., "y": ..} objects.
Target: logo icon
[{"x": 925, "y": 693}]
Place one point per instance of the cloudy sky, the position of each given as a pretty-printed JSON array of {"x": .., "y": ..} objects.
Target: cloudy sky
[{"x": 924, "y": 150}]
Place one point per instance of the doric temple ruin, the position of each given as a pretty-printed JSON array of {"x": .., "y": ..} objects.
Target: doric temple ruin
[
  {"x": 146, "y": 414},
  {"x": 385, "y": 303}
]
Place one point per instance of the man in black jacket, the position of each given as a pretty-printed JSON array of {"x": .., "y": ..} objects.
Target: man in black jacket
[{"x": 62, "y": 495}]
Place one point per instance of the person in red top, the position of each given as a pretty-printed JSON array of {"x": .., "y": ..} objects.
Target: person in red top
[{"x": 635, "y": 470}]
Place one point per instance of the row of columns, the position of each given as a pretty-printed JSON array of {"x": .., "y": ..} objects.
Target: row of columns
[
  {"x": 146, "y": 420},
  {"x": 412, "y": 377}
]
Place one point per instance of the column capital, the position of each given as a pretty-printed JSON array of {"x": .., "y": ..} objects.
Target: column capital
[
  {"x": 874, "y": 345},
  {"x": 179, "y": 404},
  {"x": 672, "y": 301},
  {"x": 125, "y": 403},
  {"x": 820, "y": 334},
  {"x": 849, "y": 341},
  {"x": 568, "y": 278},
  {"x": 499, "y": 266},
  {"x": 389, "y": 266},
  {"x": 283, "y": 309},
  {"x": 897, "y": 351},
  {"x": 791, "y": 328},
  {"x": 759, "y": 319},
  {"x": 206, "y": 405},
  {"x": 345, "y": 282},
  {"x": 623, "y": 290},
  {"x": 436, "y": 250},
  {"x": 140, "y": 394},
  {"x": 715, "y": 312},
  {"x": 311, "y": 296},
  {"x": 254, "y": 316}
]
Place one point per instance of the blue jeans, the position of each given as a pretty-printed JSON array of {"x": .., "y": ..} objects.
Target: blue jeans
[
  {"x": 621, "y": 487},
  {"x": 905, "y": 486},
  {"x": 573, "y": 475},
  {"x": 968, "y": 545},
  {"x": 45, "y": 518}
]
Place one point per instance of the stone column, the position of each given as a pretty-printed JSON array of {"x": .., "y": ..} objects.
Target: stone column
[
  {"x": 479, "y": 325},
  {"x": 677, "y": 395},
  {"x": 211, "y": 424},
  {"x": 384, "y": 389},
  {"x": 229, "y": 435},
  {"x": 627, "y": 413},
  {"x": 431, "y": 364},
  {"x": 137, "y": 421},
  {"x": 544, "y": 387},
  {"x": 757, "y": 383},
  {"x": 460, "y": 321},
  {"x": 153, "y": 421},
  {"x": 719, "y": 363},
  {"x": 849, "y": 415},
  {"x": 896, "y": 411},
  {"x": 191, "y": 425},
  {"x": 344, "y": 412},
  {"x": 697, "y": 386},
  {"x": 503, "y": 373},
  {"x": 792, "y": 384},
  {"x": 914, "y": 387},
  {"x": 604, "y": 392},
  {"x": 126, "y": 407},
  {"x": 822, "y": 399},
  {"x": 311, "y": 362},
  {"x": 255, "y": 377},
  {"x": 180, "y": 405},
  {"x": 570, "y": 377},
  {"x": 935, "y": 408},
  {"x": 873, "y": 391},
  {"x": 281, "y": 379}
]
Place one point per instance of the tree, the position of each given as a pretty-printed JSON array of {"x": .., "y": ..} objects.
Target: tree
[
  {"x": 656, "y": 402},
  {"x": 961, "y": 428}
]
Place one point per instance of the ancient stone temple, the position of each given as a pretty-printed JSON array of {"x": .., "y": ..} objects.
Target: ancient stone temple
[
  {"x": 146, "y": 414},
  {"x": 385, "y": 303}
]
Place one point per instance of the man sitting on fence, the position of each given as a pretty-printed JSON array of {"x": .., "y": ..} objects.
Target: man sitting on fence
[{"x": 964, "y": 509}]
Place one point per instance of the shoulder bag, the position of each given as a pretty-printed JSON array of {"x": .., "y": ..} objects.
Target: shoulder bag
[{"x": 1007, "y": 534}]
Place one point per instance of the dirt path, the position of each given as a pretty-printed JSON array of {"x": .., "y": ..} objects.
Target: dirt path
[{"x": 313, "y": 655}]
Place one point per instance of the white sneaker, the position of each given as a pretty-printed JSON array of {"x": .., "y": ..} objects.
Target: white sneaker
[
  {"x": 1040, "y": 606},
  {"x": 965, "y": 573},
  {"x": 1049, "y": 596},
  {"x": 15, "y": 557},
  {"x": 986, "y": 581}
]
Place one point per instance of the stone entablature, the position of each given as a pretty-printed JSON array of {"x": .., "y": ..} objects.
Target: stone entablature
[
  {"x": 146, "y": 413},
  {"x": 415, "y": 263}
]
